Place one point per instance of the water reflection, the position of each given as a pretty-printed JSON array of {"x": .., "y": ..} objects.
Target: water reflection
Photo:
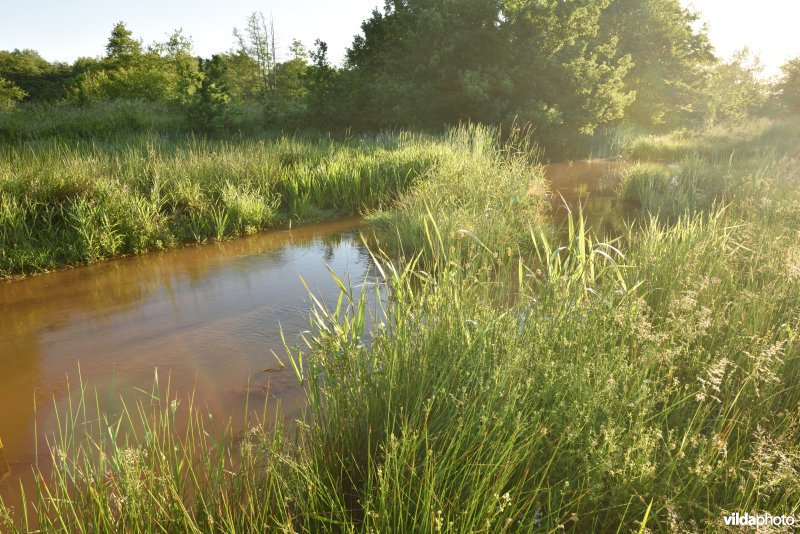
[
  {"x": 590, "y": 183},
  {"x": 208, "y": 316}
]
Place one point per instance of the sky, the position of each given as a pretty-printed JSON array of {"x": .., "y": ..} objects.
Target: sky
[
  {"x": 770, "y": 28},
  {"x": 65, "y": 30}
]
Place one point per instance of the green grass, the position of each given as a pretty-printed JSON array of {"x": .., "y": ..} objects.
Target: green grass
[
  {"x": 99, "y": 120},
  {"x": 751, "y": 168},
  {"x": 649, "y": 383},
  {"x": 117, "y": 118},
  {"x": 67, "y": 202},
  {"x": 748, "y": 139},
  {"x": 482, "y": 200}
]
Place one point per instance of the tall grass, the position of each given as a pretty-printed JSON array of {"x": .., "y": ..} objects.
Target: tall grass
[
  {"x": 752, "y": 168},
  {"x": 598, "y": 390},
  {"x": 645, "y": 384},
  {"x": 71, "y": 202},
  {"x": 749, "y": 138},
  {"x": 482, "y": 199},
  {"x": 98, "y": 120}
]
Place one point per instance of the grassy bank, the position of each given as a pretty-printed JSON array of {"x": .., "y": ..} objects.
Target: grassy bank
[
  {"x": 481, "y": 201},
  {"x": 67, "y": 202},
  {"x": 644, "y": 384}
]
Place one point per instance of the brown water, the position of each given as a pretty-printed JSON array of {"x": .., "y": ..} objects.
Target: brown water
[
  {"x": 207, "y": 316},
  {"x": 590, "y": 184}
]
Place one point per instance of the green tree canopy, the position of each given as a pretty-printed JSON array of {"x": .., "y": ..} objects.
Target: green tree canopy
[
  {"x": 162, "y": 72},
  {"x": 10, "y": 94},
  {"x": 121, "y": 46},
  {"x": 432, "y": 62},
  {"x": 37, "y": 77},
  {"x": 735, "y": 89},
  {"x": 789, "y": 86},
  {"x": 670, "y": 57}
]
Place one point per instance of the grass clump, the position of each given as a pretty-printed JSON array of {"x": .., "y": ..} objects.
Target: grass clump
[
  {"x": 484, "y": 197},
  {"x": 89, "y": 121},
  {"x": 749, "y": 138},
  {"x": 752, "y": 171}
]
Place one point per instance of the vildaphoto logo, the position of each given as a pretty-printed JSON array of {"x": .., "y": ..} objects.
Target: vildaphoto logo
[{"x": 760, "y": 520}]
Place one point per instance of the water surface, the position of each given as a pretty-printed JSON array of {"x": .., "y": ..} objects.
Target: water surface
[
  {"x": 590, "y": 184},
  {"x": 207, "y": 317}
]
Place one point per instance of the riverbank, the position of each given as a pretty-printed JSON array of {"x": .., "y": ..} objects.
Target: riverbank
[
  {"x": 647, "y": 379},
  {"x": 66, "y": 202}
]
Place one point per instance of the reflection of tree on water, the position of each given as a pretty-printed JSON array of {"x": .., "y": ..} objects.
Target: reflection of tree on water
[{"x": 331, "y": 242}]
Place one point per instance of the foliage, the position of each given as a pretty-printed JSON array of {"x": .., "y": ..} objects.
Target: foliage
[
  {"x": 10, "y": 94},
  {"x": 567, "y": 69},
  {"x": 257, "y": 42},
  {"x": 69, "y": 202},
  {"x": 210, "y": 108},
  {"x": 789, "y": 86},
  {"x": 41, "y": 80},
  {"x": 736, "y": 90},
  {"x": 165, "y": 72},
  {"x": 321, "y": 82},
  {"x": 643, "y": 384},
  {"x": 427, "y": 63},
  {"x": 669, "y": 59},
  {"x": 234, "y": 73}
]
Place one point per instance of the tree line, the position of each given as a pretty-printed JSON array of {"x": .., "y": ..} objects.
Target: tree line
[{"x": 566, "y": 68}]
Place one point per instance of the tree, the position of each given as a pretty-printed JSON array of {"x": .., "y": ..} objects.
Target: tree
[
  {"x": 789, "y": 86},
  {"x": 209, "y": 108},
  {"x": 182, "y": 66},
  {"x": 290, "y": 75},
  {"x": 37, "y": 77},
  {"x": 670, "y": 57},
  {"x": 236, "y": 74},
  {"x": 320, "y": 82},
  {"x": 165, "y": 72},
  {"x": 433, "y": 62},
  {"x": 10, "y": 94},
  {"x": 735, "y": 89},
  {"x": 257, "y": 42},
  {"x": 122, "y": 48}
]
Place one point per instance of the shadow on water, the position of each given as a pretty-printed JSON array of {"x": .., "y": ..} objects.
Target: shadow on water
[{"x": 207, "y": 316}]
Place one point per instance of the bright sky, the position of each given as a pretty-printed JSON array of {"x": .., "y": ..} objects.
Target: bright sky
[
  {"x": 770, "y": 28},
  {"x": 64, "y": 30}
]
